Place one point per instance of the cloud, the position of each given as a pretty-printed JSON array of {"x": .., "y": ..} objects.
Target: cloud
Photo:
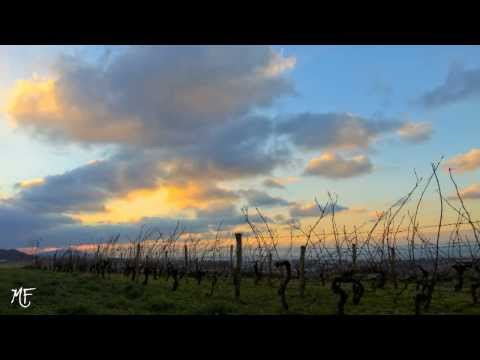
[
  {"x": 166, "y": 96},
  {"x": 226, "y": 214},
  {"x": 82, "y": 233},
  {"x": 198, "y": 195},
  {"x": 38, "y": 106},
  {"x": 469, "y": 161},
  {"x": 312, "y": 210},
  {"x": 87, "y": 187},
  {"x": 311, "y": 131},
  {"x": 279, "y": 218},
  {"x": 415, "y": 132},
  {"x": 460, "y": 84},
  {"x": 20, "y": 226},
  {"x": 175, "y": 113},
  {"x": 181, "y": 121},
  {"x": 217, "y": 212},
  {"x": 61, "y": 232},
  {"x": 358, "y": 210},
  {"x": 273, "y": 183},
  {"x": 279, "y": 183},
  {"x": 334, "y": 166},
  {"x": 25, "y": 184},
  {"x": 237, "y": 150},
  {"x": 121, "y": 188},
  {"x": 470, "y": 192},
  {"x": 128, "y": 177},
  {"x": 180, "y": 118},
  {"x": 261, "y": 198}
]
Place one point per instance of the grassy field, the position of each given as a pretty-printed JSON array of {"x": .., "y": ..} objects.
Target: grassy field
[{"x": 63, "y": 294}]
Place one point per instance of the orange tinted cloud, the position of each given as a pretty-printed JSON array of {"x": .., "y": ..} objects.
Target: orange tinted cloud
[
  {"x": 470, "y": 192},
  {"x": 164, "y": 200},
  {"x": 132, "y": 207},
  {"x": 40, "y": 104},
  {"x": 332, "y": 165},
  {"x": 280, "y": 183},
  {"x": 33, "y": 97},
  {"x": 415, "y": 132},
  {"x": 278, "y": 65},
  {"x": 465, "y": 162},
  {"x": 150, "y": 94},
  {"x": 25, "y": 184}
]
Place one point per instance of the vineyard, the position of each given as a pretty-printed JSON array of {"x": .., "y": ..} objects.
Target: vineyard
[{"x": 393, "y": 265}]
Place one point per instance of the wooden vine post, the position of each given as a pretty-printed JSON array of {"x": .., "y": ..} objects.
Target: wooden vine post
[
  {"x": 185, "y": 253},
  {"x": 354, "y": 257},
  {"x": 232, "y": 266},
  {"x": 302, "y": 270},
  {"x": 238, "y": 267}
]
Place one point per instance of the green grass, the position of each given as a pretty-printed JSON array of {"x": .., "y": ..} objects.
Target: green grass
[{"x": 64, "y": 294}]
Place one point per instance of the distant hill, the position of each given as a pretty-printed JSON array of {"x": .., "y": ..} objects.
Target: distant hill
[
  {"x": 13, "y": 256},
  {"x": 63, "y": 252}
]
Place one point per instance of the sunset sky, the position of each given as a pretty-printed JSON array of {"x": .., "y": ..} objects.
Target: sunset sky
[{"x": 97, "y": 140}]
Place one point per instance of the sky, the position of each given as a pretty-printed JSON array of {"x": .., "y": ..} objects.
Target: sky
[{"x": 99, "y": 140}]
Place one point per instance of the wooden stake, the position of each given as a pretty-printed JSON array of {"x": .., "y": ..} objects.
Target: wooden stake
[
  {"x": 238, "y": 268},
  {"x": 302, "y": 270},
  {"x": 185, "y": 251}
]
